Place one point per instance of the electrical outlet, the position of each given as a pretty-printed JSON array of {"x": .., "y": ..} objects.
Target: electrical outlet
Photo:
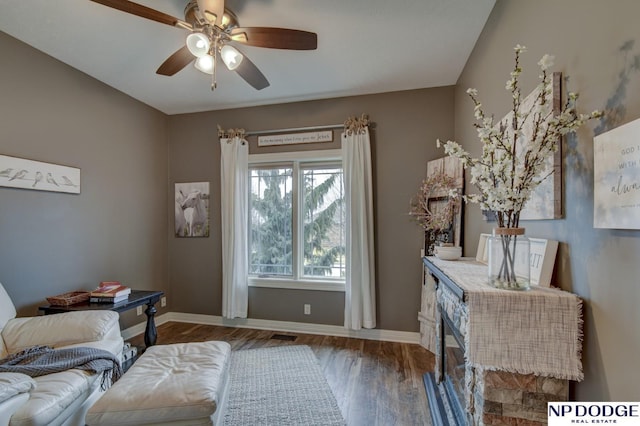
[
  {"x": 139, "y": 310},
  {"x": 163, "y": 302},
  {"x": 307, "y": 309}
]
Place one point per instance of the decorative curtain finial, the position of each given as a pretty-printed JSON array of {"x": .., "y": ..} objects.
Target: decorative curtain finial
[
  {"x": 355, "y": 124},
  {"x": 230, "y": 133}
]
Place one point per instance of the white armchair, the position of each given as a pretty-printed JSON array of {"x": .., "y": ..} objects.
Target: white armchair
[{"x": 59, "y": 398}]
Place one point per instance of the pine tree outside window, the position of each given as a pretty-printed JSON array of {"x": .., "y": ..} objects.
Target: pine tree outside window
[
  {"x": 324, "y": 220},
  {"x": 297, "y": 221},
  {"x": 271, "y": 222}
]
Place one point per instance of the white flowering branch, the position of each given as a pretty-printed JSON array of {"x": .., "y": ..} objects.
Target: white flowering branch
[{"x": 510, "y": 167}]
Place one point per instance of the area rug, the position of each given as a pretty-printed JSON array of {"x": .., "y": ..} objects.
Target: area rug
[{"x": 279, "y": 386}]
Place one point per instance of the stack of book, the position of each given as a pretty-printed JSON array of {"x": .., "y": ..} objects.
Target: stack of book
[
  {"x": 109, "y": 292},
  {"x": 129, "y": 352}
]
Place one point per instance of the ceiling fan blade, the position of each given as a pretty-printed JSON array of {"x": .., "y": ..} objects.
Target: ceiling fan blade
[
  {"x": 251, "y": 74},
  {"x": 275, "y": 38},
  {"x": 212, "y": 10},
  {"x": 176, "y": 62},
  {"x": 140, "y": 10}
]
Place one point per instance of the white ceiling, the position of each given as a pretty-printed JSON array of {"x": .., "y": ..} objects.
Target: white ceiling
[{"x": 364, "y": 46}]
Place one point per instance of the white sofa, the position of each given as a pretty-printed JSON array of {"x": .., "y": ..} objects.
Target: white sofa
[
  {"x": 14, "y": 392},
  {"x": 60, "y": 398}
]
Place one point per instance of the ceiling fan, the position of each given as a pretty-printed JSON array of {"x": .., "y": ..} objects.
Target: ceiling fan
[{"x": 213, "y": 31}]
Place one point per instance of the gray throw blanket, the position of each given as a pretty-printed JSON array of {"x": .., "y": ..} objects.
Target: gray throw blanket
[{"x": 40, "y": 360}]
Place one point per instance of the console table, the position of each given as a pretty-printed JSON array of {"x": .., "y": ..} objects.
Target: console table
[
  {"x": 501, "y": 355},
  {"x": 136, "y": 298}
]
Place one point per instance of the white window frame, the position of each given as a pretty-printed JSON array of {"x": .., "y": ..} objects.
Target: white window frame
[{"x": 303, "y": 282}]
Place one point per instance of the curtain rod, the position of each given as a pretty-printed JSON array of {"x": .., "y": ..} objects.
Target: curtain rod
[{"x": 295, "y": 129}]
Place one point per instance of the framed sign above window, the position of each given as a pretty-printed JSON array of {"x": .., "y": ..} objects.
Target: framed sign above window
[{"x": 296, "y": 138}]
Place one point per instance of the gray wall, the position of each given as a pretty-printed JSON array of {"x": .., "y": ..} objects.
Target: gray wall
[
  {"x": 120, "y": 227},
  {"x": 51, "y": 243},
  {"x": 597, "y": 48},
  {"x": 404, "y": 123}
]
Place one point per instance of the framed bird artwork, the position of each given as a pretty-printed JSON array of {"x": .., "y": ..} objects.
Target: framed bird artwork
[{"x": 30, "y": 174}]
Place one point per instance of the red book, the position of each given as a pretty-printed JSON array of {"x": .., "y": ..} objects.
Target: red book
[{"x": 110, "y": 289}]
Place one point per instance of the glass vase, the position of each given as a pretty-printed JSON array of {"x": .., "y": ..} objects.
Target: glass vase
[{"x": 509, "y": 259}]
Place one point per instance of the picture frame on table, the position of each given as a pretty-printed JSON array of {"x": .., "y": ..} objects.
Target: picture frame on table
[
  {"x": 434, "y": 238},
  {"x": 453, "y": 168},
  {"x": 542, "y": 258},
  {"x": 482, "y": 253}
]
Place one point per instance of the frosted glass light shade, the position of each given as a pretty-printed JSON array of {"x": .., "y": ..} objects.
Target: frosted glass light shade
[
  {"x": 231, "y": 57},
  {"x": 198, "y": 44},
  {"x": 205, "y": 64}
]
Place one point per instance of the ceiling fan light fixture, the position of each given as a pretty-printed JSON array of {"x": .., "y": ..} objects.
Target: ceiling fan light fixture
[
  {"x": 198, "y": 44},
  {"x": 205, "y": 64},
  {"x": 208, "y": 38},
  {"x": 231, "y": 57}
]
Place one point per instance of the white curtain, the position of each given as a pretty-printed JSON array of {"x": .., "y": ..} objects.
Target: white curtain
[
  {"x": 234, "y": 171},
  {"x": 360, "y": 307}
]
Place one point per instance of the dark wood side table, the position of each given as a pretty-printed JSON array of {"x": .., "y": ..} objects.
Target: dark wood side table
[{"x": 136, "y": 298}]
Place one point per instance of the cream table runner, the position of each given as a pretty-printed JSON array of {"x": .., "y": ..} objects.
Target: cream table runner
[{"x": 527, "y": 332}]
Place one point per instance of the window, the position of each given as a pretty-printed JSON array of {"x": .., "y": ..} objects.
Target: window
[
  {"x": 271, "y": 221},
  {"x": 324, "y": 220},
  {"x": 297, "y": 221}
]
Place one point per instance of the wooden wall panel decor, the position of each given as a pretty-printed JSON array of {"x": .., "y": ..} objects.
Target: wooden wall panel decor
[{"x": 545, "y": 201}]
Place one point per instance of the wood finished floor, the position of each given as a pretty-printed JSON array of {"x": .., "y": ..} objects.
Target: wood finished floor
[{"x": 375, "y": 383}]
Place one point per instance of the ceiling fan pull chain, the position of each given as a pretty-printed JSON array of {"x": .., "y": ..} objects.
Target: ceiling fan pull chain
[{"x": 214, "y": 83}]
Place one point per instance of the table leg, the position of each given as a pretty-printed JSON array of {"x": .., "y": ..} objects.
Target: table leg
[{"x": 150, "y": 333}]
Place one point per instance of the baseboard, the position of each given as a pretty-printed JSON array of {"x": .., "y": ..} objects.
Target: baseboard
[
  {"x": 286, "y": 326},
  {"x": 137, "y": 329}
]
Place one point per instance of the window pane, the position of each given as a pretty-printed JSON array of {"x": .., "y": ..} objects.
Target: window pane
[
  {"x": 324, "y": 222},
  {"x": 271, "y": 222}
]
